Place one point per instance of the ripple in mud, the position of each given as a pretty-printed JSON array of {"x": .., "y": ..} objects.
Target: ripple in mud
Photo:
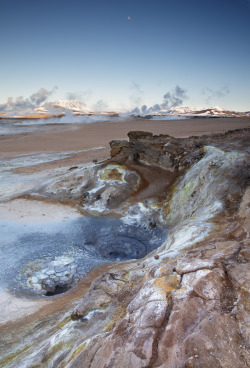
[
  {"x": 49, "y": 260},
  {"x": 116, "y": 241}
]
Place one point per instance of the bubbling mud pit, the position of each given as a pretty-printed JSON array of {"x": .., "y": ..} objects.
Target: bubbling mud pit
[
  {"x": 46, "y": 255},
  {"x": 71, "y": 252}
]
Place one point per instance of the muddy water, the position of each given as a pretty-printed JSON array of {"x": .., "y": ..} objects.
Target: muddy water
[
  {"x": 85, "y": 242},
  {"x": 50, "y": 247}
]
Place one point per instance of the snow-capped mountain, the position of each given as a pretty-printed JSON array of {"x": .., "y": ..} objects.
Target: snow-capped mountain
[
  {"x": 72, "y": 105},
  {"x": 60, "y": 108},
  {"x": 194, "y": 111}
]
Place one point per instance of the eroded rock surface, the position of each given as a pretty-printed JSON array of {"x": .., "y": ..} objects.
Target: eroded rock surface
[
  {"x": 186, "y": 304},
  {"x": 188, "y": 313}
]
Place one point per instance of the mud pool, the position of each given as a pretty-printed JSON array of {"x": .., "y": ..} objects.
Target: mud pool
[
  {"x": 46, "y": 248},
  {"x": 48, "y": 259}
]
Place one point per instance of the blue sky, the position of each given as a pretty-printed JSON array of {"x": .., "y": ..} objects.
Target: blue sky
[{"x": 92, "y": 51}]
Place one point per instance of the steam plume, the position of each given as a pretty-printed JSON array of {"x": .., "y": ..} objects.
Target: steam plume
[
  {"x": 211, "y": 93},
  {"x": 171, "y": 99},
  {"x": 21, "y": 103}
]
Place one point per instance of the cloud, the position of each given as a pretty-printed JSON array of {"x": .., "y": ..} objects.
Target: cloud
[
  {"x": 73, "y": 96},
  {"x": 100, "y": 106},
  {"x": 137, "y": 87},
  {"x": 211, "y": 93},
  {"x": 21, "y": 103},
  {"x": 81, "y": 96},
  {"x": 136, "y": 96},
  {"x": 171, "y": 99}
]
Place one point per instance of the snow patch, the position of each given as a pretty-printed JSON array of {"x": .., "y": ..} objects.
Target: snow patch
[{"x": 73, "y": 105}]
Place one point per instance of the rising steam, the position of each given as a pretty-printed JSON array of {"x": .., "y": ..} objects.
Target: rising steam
[
  {"x": 21, "y": 103},
  {"x": 171, "y": 99}
]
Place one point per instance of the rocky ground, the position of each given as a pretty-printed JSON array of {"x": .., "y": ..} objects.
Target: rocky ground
[{"x": 186, "y": 302}]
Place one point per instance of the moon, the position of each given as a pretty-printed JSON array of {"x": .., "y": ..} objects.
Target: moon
[{"x": 129, "y": 17}]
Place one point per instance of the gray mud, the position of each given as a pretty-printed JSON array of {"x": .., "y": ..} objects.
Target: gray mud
[{"x": 44, "y": 260}]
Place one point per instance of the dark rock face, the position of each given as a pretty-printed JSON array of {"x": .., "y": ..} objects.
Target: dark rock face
[
  {"x": 117, "y": 146},
  {"x": 172, "y": 153},
  {"x": 144, "y": 147}
]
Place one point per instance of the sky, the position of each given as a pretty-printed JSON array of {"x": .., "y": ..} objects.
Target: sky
[{"x": 119, "y": 54}]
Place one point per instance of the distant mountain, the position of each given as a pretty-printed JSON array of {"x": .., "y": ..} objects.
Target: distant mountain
[
  {"x": 72, "y": 105},
  {"x": 59, "y": 108},
  {"x": 193, "y": 112}
]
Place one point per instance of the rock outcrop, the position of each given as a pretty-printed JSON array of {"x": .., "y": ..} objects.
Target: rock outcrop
[{"x": 173, "y": 153}]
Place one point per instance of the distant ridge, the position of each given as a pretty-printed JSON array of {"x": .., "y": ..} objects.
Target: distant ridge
[
  {"x": 72, "y": 105},
  {"x": 59, "y": 108},
  {"x": 203, "y": 112}
]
